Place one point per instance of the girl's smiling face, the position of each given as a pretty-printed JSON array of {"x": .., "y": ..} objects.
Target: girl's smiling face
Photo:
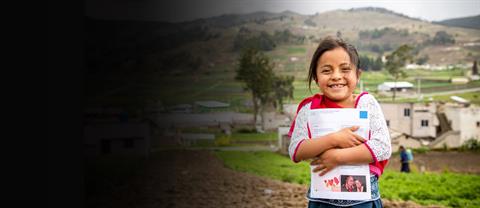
[{"x": 337, "y": 76}]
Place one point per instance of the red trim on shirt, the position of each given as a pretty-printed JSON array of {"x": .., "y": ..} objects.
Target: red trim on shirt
[
  {"x": 371, "y": 152},
  {"x": 358, "y": 98},
  {"x": 295, "y": 152},
  {"x": 309, "y": 133}
]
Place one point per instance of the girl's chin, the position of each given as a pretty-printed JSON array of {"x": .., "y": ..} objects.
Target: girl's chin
[{"x": 336, "y": 97}]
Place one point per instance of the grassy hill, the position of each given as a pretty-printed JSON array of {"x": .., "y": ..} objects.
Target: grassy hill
[
  {"x": 135, "y": 62},
  {"x": 467, "y": 22}
]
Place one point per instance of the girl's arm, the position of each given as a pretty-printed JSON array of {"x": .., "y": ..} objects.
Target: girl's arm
[
  {"x": 347, "y": 156},
  {"x": 377, "y": 148},
  {"x": 311, "y": 148},
  {"x": 379, "y": 143},
  {"x": 302, "y": 148}
]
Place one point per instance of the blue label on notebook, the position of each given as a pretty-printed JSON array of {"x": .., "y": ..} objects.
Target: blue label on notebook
[{"x": 363, "y": 114}]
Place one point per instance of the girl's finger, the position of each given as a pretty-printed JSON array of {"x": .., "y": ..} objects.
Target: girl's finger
[
  {"x": 324, "y": 171},
  {"x": 318, "y": 168},
  {"x": 359, "y": 138}
]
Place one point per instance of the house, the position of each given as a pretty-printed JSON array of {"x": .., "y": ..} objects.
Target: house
[
  {"x": 181, "y": 108},
  {"x": 208, "y": 106},
  {"x": 187, "y": 139},
  {"x": 283, "y": 139},
  {"x": 413, "y": 119},
  {"x": 432, "y": 124},
  {"x": 226, "y": 121},
  {"x": 400, "y": 139},
  {"x": 465, "y": 120},
  {"x": 117, "y": 138},
  {"x": 397, "y": 86},
  {"x": 459, "y": 80},
  {"x": 272, "y": 120}
]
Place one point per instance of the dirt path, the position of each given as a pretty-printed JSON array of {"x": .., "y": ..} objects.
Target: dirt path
[{"x": 185, "y": 178}]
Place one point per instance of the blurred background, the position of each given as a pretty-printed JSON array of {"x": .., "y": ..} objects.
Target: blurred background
[{"x": 188, "y": 103}]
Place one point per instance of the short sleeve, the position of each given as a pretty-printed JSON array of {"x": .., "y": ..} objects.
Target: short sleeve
[
  {"x": 379, "y": 142},
  {"x": 300, "y": 131}
]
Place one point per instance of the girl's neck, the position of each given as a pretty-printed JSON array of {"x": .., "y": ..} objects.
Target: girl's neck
[{"x": 347, "y": 103}]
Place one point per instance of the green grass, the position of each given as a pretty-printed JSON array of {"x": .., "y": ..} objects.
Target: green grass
[
  {"x": 473, "y": 97},
  {"x": 236, "y": 139},
  {"x": 447, "y": 189},
  {"x": 254, "y": 137},
  {"x": 220, "y": 84},
  {"x": 267, "y": 164},
  {"x": 297, "y": 50}
]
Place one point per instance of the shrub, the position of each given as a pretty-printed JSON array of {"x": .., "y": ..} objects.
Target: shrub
[
  {"x": 421, "y": 150},
  {"x": 471, "y": 144},
  {"x": 223, "y": 140}
]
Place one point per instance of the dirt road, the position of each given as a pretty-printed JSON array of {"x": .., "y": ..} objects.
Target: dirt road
[{"x": 187, "y": 178}]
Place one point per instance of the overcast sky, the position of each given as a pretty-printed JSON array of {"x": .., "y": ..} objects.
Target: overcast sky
[{"x": 184, "y": 10}]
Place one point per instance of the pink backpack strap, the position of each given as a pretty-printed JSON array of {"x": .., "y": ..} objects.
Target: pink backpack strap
[
  {"x": 314, "y": 99},
  {"x": 358, "y": 98}
]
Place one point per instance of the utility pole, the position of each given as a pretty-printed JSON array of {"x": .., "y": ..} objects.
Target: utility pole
[
  {"x": 361, "y": 85},
  {"x": 419, "y": 82}
]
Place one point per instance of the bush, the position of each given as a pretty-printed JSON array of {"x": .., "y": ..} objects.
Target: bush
[
  {"x": 471, "y": 144},
  {"x": 223, "y": 140},
  {"x": 421, "y": 150},
  {"x": 247, "y": 130},
  {"x": 287, "y": 177}
]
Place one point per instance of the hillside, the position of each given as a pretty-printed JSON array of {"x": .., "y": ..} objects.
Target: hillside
[
  {"x": 184, "y": 57},
  {"x": 466, "y": 22},
  {"x": 373, "y": 30}
]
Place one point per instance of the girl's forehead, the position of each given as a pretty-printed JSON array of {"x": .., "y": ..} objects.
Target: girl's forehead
[{"x": 337, "y": 55}]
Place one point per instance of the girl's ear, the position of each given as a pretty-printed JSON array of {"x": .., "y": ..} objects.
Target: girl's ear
[{"x": 359, "y": 73}]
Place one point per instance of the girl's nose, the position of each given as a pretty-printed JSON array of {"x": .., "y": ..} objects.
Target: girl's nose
[{"x": 336, "y": 74}]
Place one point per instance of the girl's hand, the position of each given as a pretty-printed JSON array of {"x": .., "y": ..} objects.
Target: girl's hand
[
  {"x": 326, "y": 161},
  {"x": 346, "y": 137}
]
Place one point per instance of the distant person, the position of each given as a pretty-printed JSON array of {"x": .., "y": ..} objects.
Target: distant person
[
  {"x": 404, "y": 160},
  {"x": 335, "y": 72}
]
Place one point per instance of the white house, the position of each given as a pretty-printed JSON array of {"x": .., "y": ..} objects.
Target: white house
[
  {"x": 465, "y": 120},
  {"x": 398, "y": 86},
  {"x": 413, "y": 119},
  {"x": 459, "y": 80},
  {"x": 120, "y": 138}
]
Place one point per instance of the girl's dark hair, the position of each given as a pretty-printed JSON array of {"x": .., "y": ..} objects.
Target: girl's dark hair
[{"x": 330, "y": 43}]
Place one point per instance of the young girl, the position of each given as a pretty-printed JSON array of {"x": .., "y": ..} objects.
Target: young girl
[{"x": 335, "y": 70}]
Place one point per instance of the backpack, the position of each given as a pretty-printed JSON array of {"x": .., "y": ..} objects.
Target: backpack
[{"x": 409, "y": 155}]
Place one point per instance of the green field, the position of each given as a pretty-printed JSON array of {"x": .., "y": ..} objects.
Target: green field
[
  {"x": 473, "y": 97},
  {"x": 447, "y": 189},
  {"x": 254, "y": 137},
  {"x": 235, "y": 139},
  {"x": 219, "y": 84}
]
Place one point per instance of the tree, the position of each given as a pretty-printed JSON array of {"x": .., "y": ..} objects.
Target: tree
[
  {"x": 474, "y": 68},
  {"x": 256, "y": 71},
  {"x": 378, "y": 65},
  {"x": 283, "y": 88},
  {"x": 443, "y": 38},
  {"x": 396, "y": 61},
  {"x": 422, "y": 60}
]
